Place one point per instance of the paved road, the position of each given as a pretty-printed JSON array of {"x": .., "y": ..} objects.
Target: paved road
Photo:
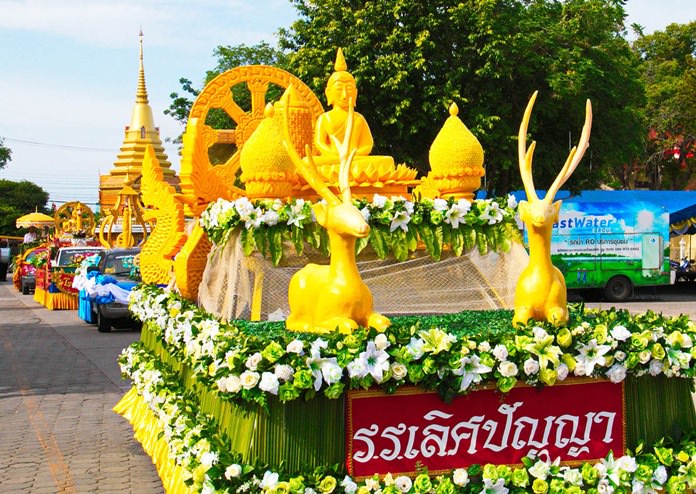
[
  {"x": 58, "y": 383},
  {"x": 672, "y": 300}
]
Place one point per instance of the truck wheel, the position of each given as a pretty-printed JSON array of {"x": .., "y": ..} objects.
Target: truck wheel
[
  {"x": 618, "y": 289},
  {"x": 103, "y": 323}
]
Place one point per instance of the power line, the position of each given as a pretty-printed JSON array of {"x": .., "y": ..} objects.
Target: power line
[{"x": 58, "y": 146}]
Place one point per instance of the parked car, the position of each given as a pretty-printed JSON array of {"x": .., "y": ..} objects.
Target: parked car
[{"x": 116, "y": 267}]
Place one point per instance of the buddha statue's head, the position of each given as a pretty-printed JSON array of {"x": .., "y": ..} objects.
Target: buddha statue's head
[{"x": 341, "y": 87}]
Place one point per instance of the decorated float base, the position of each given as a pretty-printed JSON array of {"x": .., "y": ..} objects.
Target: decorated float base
[
  {"x": 56, "y": 300},
  {"x": 248, "y": 407},
  {"x": 236, "y": 286}
]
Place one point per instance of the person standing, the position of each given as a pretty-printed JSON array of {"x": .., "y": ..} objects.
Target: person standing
[
  {"x": 4, "y": 259},
  {"x": 30, "y": 236}
]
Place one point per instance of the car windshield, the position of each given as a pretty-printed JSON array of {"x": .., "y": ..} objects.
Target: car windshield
[
  {"x": 119, "y": 264},
  {"x": 68, "y": 257}
]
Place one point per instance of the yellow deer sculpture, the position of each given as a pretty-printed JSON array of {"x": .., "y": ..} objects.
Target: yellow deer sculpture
[
  {"x": 541, "y": 289},
  {"x": 326, "y": 298}
]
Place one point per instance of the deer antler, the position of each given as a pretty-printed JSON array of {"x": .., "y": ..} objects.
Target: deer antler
[
  {"x": 575, "y": 154},
  {"x": 345, "y": 155},
  {"x": 573, "y": 160},
  {"x": 525, "y": 157},
  {"x": 306, "y": 166}
]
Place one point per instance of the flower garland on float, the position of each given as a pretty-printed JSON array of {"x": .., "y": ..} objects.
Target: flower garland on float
[
  {"x": 448, "y": 353},
  {"x": 397, "y": 225}
]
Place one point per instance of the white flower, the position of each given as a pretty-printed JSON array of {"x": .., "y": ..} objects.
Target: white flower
[
  {"x": 403, "y": 483},
  {"x": 331, "y": 371},
  {"x": 381, "y": 341},
  {"x": 439, "y": 204},
  {"x": 233, "y": 471},
  {"x": 296, "y": 346},
  {"x": 456, "y": 214},
  {"x": 270, "y": 218},
  {"x": 253, "y": 361},
  {"x": 269, "y": 481},
  {"x": 616, "y": 373},
  {"x": 603, "y": 487},
  {"x": 540, "y": 470},
  {"x": 460, "y": 477},
  {"x": 233, "y": 384},
  {"x": 492, "y": 213},
  {"x": 365, "y": 213},
  {"x": 500, "y": 352},
  {"x": 379, "y": 201},
  {"x": 415, "y": 348},
  {"x": 376, "y": 361},
  {"x": 592, "y": 354},
  {"x": 399, "y": 371},
  {"x": 572, "y": 476},
  {"x": 562, "y": 372},
  {"x": 508, "y": 369},
  {"x": 348, "y": 485},
  {"x": 620, "y": 333},
  {"x": 660, "y": 475},
  {"x": 484, "y": 346},
  {"x": 400, "y": 220},
  {"x": 498, "y": 488},
  {"x": 296, "y": 213},
  {"x": 249, "y": 379},
  {"x": 208, "y": 459},
  {"x": 470, "y": 369},
  {"x": 655, "y": 367},
  {"x": 627, "y": 464},
  {"x": 269, "y": 383},
  {"x": 539, "y": 333},
  {"x": 644, "y": 356},
  {"x": 284, "y": 372},
  {"x": 356, "y": 368},
  {"x": 619, "y": 356},
  {"x": 372, "y": 484},
  {"x": 531, "y": 366},
  {"x": 511, "y": 201}
]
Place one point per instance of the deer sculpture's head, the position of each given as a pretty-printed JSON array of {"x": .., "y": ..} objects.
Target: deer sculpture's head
[
  {"x": 338, "y": 215},
  {"x": 541, "y": 214}
]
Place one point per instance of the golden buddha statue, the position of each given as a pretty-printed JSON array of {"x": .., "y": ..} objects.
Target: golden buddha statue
[{"x": 341, "y": 94}]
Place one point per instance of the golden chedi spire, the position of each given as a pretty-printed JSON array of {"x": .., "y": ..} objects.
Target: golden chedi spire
[
  {"x": 456, "y": 160},
  {"x": 267, "y": 171},
  {"x": 138, "y": 134}
]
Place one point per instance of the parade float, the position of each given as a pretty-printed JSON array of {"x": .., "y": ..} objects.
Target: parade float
[
  {"x": 260, "y": 371},
  {"x": 72, "y": 242}
]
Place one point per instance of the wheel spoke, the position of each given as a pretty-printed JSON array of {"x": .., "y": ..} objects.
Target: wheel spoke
[{"x": 258, "y": 90}]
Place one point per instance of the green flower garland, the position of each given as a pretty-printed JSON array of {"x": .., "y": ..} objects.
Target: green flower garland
[
  {"x": 453, "y": 354},
  {"x": 398, "y": 225}
]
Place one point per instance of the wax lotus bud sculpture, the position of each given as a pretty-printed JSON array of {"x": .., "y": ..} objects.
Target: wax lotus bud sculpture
[
  {"x": 541, "y": 289},
  {"x": 326, "y": 298}
]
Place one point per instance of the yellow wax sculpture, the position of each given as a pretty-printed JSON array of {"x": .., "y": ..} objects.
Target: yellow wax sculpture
[
  {"x": 327, "y": 298},
  {"x": 541, "y": 289},
  {"x": 341, "y": 94}
]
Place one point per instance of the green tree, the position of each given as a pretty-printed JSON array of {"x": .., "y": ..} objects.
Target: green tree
[
  {"x": 411, "y": 59},
  {"x": 17, "y": 199},
  {"x": 668, "y": 68},
  {"x": 5, "y": 154}
]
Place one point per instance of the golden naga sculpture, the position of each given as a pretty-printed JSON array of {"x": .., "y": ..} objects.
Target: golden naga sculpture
[
  {"x": 326, "y": 298},
  {"x": 541, "y": 289},
  {"x": 167, "y": 237},
  {"x": 370, "y": 173}
]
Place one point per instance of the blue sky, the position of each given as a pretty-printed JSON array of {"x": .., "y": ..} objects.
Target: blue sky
[{"x": 69, "y": 73}]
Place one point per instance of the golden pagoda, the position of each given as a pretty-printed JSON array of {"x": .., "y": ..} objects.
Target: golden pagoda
[{"x": 138, "y": 135}]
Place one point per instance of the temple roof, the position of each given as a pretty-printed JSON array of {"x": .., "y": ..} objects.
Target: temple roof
[{"x": 140, "y": 132}]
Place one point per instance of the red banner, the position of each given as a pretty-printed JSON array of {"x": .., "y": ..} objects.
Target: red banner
[{"x": 576, "y": 420}]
